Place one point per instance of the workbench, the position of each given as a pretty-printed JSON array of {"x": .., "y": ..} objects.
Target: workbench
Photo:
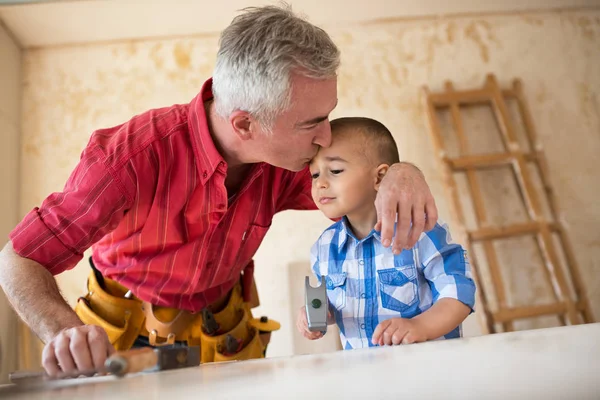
[{"x": 555, "y": 363}]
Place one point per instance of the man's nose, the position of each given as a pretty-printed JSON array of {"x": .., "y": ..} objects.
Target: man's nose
[{"x": 323, "y": 137}]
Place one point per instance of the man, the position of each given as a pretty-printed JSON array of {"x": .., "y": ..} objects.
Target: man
[{"x": 177, "y": 200}]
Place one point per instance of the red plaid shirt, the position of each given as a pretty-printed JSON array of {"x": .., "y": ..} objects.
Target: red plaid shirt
[{"x": 150, "y": 196}]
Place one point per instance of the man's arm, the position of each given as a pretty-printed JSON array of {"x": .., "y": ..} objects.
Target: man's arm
[
  {"x": 53, "y": 238},
  {"x": 404, "y": 193},
  {"x": 33, "y": 293}
]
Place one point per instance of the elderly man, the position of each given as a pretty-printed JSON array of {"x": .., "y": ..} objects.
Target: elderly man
[{"x": 177, "y": 200}]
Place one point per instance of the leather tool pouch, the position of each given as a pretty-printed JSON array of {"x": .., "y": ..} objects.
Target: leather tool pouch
[{"x": 125, "y": 319}]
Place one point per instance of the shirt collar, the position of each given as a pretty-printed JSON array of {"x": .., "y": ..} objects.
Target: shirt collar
[
  {"x": 346, "y": 232},
  {"x": 205, "y": 152}
]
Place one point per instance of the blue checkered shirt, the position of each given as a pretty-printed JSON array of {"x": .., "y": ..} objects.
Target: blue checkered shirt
[{"x": 367, "y": 283}]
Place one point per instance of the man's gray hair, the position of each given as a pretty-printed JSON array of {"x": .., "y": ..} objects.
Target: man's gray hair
[{"x": 257, "y": 54}]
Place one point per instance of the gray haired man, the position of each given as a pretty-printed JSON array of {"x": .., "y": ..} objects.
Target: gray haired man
[{"x": 176, "y": 201}]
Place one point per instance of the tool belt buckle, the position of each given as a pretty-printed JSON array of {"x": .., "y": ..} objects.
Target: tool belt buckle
[{"x": 155, "y": 341}]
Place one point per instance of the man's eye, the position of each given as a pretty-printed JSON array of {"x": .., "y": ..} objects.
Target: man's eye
[
  {"x": 314, "y": 176},
  {"x": 337, "y": 171}
]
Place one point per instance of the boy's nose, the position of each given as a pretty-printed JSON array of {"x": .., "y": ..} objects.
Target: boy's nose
[{"x": 322, "y": 183}]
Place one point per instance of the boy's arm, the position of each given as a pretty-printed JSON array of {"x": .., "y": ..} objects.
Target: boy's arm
[
  {"x": 441, "y": 318},
  {"x": 449, "y": 276},
  {"x": 445, "y": 315}
]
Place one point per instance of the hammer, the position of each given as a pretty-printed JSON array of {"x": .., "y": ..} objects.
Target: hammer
[{"x": 316, "y": 305}]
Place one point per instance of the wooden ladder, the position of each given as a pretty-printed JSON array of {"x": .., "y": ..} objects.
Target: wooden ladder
[{"x": 570, "y": 308}]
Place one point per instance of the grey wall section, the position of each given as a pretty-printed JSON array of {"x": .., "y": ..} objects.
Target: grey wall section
[{"x": 10, "y": 121}]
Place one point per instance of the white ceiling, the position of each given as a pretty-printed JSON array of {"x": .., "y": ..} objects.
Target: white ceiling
[{"x": 83, "y": 21}]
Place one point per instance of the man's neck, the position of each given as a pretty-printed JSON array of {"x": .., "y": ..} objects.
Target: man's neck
[
  {"x": 225, "y": 140},
  {"x": 230, "y": 148}
]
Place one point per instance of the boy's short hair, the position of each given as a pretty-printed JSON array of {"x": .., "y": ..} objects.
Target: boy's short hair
[{"x": 378, "y": 138}]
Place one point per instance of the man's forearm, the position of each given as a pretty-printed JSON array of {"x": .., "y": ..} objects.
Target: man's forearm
[
  {"x": 442, "y": 317},
  {"x": 33, "y": 293}
]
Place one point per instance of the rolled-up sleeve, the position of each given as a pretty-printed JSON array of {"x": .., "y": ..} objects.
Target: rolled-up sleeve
[
  {"x": 91, "y": 204},
  {"x": 446, "y": 267}
]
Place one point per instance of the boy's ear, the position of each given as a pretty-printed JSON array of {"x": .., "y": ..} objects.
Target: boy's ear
[
  {"x": 243, "y": 124},
  {"x": 380, "y": 172}
]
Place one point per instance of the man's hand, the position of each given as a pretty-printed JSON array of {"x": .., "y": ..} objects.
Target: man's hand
[
  {"x": 71, "y": 346},
  {"x": 302, "y": 325},
  {"x": 398, "y": 331},
  {"x": 80, "y": 349},
  {"x": 404, "y": 192}
]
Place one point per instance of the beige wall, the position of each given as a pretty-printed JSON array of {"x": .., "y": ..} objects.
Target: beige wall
[
  {"x": 10, "y": 121},
  {"x": 69, "y": 91}
]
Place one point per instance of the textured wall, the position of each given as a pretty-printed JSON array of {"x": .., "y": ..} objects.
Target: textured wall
[{"x": 72, "y": 90}]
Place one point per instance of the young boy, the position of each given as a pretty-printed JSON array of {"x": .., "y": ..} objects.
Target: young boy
[{"x": 376, "y": 297}]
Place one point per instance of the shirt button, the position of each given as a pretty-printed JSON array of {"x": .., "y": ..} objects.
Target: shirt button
[
  {"x": 361, "y": 262},
  {"x": 362, "y": 326},
  {"x": 204, "y": 175},
  {"x": 363, "y": 295}
]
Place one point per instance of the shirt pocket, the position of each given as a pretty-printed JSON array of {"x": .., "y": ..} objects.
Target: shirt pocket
[
  {"x": 336, "y": 290},
  {"x": 398, "y": 287},
  {"x": 251, "y": 240}
]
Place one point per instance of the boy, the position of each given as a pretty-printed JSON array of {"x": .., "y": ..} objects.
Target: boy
[{"x": 376, "y": 297}]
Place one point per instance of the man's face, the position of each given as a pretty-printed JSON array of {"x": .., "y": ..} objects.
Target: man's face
[
  {"x": 299, "y": 131},
  {"x": 343, "y": 179}
]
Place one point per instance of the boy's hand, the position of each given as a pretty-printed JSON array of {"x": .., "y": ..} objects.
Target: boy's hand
[
  {"x": 302, "y": 325},
  {"x": 398, "y": 331}
]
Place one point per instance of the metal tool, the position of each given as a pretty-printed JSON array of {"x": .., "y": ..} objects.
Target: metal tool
[
  {"x": 145, "y": 359},
  {"x": 209, "y": 323},
  {"x": 232, "y": 345},
  {"x": 316, "y": 305},
  {"x": 153, "y": 359}
]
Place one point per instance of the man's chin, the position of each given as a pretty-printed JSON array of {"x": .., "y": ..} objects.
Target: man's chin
[{"x": 297, "y": 167}]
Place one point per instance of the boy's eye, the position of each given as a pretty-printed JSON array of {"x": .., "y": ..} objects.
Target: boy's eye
[
  {"x": 314, "y": 176},
  {"x": 337, "y": 171}
]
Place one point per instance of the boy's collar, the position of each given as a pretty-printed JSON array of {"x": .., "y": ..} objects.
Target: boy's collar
[{"x": 347, "y": 232}]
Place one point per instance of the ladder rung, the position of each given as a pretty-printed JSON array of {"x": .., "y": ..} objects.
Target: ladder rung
[
  {"x": 510, "y": 314},
  {"x": 476, "y": 96},
  {"x": 485, "y": 160},
  {"x": 490, "y": 233},
  {"x": 466, "y": 97}
]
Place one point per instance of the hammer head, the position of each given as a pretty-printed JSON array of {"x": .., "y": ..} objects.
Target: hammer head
[{"x": 316, "y": 305}]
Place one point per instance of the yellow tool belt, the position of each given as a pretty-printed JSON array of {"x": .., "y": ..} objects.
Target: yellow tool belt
[{"x": 239, "y": 336}]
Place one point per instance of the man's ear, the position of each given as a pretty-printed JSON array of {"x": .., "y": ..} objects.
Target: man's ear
[
  {"x": 243, "y": 124},
  {"x": 380, "y": 172}
]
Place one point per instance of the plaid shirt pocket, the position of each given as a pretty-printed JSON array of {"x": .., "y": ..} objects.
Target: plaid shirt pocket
[
  {"x": 336, "y": 290},
  {"x": 398, "y": 287}
]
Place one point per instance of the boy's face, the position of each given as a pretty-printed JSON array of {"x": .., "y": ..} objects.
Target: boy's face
[{"x": 344, "y": 182}]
